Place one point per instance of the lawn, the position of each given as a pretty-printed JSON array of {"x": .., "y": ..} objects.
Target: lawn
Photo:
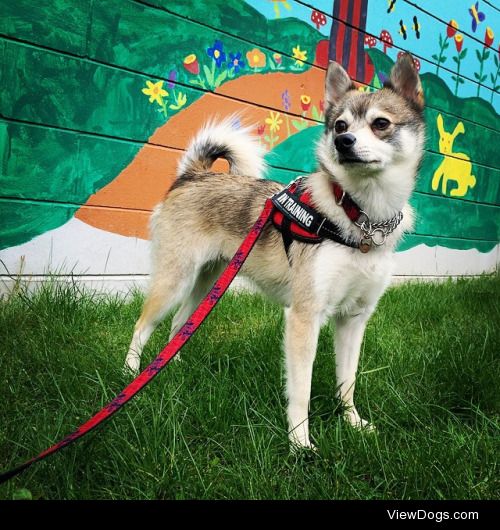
[{"x": 213, "y": 425}]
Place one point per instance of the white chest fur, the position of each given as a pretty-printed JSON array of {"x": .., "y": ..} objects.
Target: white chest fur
[{"x": 349, "y": 282}]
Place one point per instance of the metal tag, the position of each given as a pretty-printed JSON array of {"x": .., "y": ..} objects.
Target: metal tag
[{"x": 365, "y": 245}]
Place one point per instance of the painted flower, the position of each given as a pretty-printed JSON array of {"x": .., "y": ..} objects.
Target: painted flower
[
  {"x": 277, "y": 4},
  {"x": 321, "y": 106},
  {"x": 488, "y": 36},
  {"x": 235, "y": 62},
  {"x": 285, "y": 99},
  {"x": 256, "y": 59},
  {"x": 278, "y": 59},
  {"x": 191, "y": 64},
  {"x": 451, "y": 28},
  {"x": 155, "y": 92},
  {"x": 261, "y": 129},
  {"x": 217, "y": 53},
  {"x": 299, "y": 55},
  {"x": 305, "y": 102},
  {"x": 274, "y": 121},
  {"x": 180, "y": 101},
  {"x": 459, "y": 42},
  {"x": 172, "y": 77}
]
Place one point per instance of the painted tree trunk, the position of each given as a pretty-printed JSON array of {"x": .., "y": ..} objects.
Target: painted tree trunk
[{"x": 347, "y": 38}]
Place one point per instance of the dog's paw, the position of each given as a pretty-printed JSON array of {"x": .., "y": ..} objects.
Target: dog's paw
[
  {"x": 297, "y": 446},
  {"x": 364, "y": 425},
  {"x": 132, "y": 365},
  {"x": 353, "y": 418}
]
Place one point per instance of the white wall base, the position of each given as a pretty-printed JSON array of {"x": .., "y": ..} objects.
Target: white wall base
[{"x": 106, "y": 262}]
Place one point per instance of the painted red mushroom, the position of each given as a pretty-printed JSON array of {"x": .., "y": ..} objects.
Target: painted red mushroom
[
  {"x": 416, "y": 62},
  {"x": 370, "y": 41},
  {"x": 318, "y": 18},
  {"x": 386, "y": 38}
]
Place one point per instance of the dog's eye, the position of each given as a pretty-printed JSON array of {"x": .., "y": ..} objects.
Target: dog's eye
[
  {"x": 380, "y": 124},
  {"x": 340, "y": 126}
]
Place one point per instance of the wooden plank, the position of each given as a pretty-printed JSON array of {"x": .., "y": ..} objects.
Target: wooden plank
[
  {"x": 22, "y": 220},
  {"x": 49, "y": 88},
  {"x": 483, "y": 187},
  {"x": 439, "y": 13},
  {"x": 445, "y": 217},
  {"x": 412, "y": 240},
  {"x": 235, "y": 18},
  {"x": 479, "y": 142},
  {"x": 439, "y": 96},
  {"x": 62, "y": 25},
  {"x": 112, "y": 103}
]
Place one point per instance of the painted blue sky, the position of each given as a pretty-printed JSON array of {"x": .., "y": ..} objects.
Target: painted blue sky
[
  {"x": 430, "y": 26},
  {"x": 428, "y": 44}
]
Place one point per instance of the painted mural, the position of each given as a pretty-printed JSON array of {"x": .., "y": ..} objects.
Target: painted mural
[{"x": 99, "y": 99}]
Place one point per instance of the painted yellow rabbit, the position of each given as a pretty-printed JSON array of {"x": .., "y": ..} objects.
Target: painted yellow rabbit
[{"x": 455, "y": 166}]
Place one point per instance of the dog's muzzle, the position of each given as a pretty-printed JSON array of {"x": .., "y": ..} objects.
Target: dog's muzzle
[{"x": 344, "y": 142}]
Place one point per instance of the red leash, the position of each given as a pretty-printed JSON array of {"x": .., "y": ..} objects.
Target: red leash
[{"x": 170, "y": 350}]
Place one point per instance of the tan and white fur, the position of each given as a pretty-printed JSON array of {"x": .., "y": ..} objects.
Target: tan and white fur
[{"x": 206, "y": 215}]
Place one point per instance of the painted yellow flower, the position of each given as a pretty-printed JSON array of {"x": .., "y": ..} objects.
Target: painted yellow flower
[
  {"x": 155, "y": 92},
  {"x": 277, "y": 3},
  {"x": 305, "y": 102},
  {"x": 274, "y": 121},
  {"x": 256, "y": 59},
  {"x": 299, "y": 55},
  {"x": 180, "y": 101}
]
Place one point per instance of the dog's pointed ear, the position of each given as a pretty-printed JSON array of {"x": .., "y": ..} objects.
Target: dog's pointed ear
[
  {"x": 337, "y": 83},
  {"x": 406, "y": 81}
]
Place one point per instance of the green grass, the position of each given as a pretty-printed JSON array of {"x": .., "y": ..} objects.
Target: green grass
[{"x": 213, "y": 425}]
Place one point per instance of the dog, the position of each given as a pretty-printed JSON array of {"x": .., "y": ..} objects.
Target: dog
[{"x": 372, "y": 147}]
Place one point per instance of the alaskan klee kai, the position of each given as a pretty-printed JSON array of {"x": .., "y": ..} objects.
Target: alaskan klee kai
[{"x": 371, "y": 147}]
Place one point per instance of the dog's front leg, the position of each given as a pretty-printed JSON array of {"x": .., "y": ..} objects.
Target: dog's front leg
[
  {"x": 301, "y": 340},
  {"x": 349, "y": 334}
]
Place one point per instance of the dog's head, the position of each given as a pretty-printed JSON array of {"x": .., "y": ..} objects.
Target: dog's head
[{"x": 368, "y": 134}]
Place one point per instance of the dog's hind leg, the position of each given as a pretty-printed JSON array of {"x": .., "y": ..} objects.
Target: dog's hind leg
[
  {"x": 202, "y": 285},
  {"x": 165, "y": 292}
]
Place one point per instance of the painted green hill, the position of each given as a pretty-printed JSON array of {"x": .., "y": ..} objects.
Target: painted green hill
[{"x": 80, "y": 122}]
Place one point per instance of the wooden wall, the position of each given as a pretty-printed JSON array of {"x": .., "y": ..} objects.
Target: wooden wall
[{"x": 100, "y": 97}]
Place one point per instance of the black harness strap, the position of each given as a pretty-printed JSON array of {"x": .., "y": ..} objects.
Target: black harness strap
[{"x": 301, "y": 222}]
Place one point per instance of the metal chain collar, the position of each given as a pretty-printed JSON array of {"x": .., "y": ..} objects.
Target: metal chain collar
[{"x": 376, "y": 233}]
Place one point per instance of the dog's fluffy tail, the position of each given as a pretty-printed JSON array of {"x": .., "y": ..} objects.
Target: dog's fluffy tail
[{"x": 225, "y": 139}]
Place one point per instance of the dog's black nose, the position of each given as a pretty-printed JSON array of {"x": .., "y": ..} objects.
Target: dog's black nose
[{"x": 344, "y": 142}]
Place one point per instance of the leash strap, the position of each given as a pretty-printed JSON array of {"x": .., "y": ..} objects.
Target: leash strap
[{"x": 170, "y": 350}]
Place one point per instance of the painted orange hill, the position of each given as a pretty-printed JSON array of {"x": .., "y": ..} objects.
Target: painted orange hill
[{"x": 124, "y": 205}]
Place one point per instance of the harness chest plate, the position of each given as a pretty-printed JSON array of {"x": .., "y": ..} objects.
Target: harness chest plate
[{"x": 297, "y": 219}]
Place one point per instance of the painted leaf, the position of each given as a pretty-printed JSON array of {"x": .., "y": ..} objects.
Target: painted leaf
[
  {"x": 220, "y": 78},
  {"x": 208, "y": 75},
  {"x": 299, "y": 125}
]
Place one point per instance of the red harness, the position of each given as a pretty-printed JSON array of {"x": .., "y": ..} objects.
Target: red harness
[{"x": 296, "y": 217}]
